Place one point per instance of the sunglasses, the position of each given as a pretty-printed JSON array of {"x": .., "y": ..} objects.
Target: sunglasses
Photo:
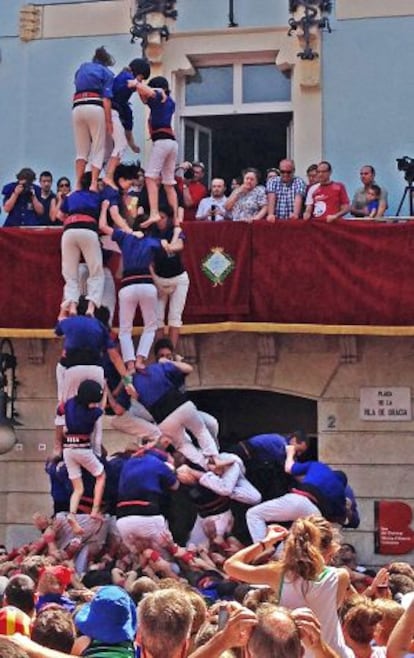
[{"x": 64, "y": 185}]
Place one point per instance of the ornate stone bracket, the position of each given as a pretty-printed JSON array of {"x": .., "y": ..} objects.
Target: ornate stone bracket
[
  {"x": 309, "y": 17},
  {"x": 30, "y": 22},
  {"x": 189, "y": 349},
  {"x": 348, "y": 346},
  {"x": 149, "y": 24},
  {"x": 36, "y": 351},
  {"x": 268, "y": 348}
]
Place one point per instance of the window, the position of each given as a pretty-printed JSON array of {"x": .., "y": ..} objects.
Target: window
[
  {"x": 263, "y": 83},
  {"x": 211, "y": 85}
]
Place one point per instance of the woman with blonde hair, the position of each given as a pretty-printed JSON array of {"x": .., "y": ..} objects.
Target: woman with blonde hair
[{"x": 301, "y": 577}]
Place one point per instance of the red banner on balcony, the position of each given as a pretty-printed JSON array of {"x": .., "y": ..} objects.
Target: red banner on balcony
[
  {"x": 218, "y": 258},
  {"x": 349, "y": 273}
]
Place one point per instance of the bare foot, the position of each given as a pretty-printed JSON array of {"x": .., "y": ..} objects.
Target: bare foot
[
  {"x": 96, "y": 514},
  {"x": 152, "y": 219},
  {"x": 63, "y": 314},
  {"x": 73, "y": 308},
  {"x": 139, "y": 364},
  {"x": 90, "y": 310},
  {"x": 76, "y": 528}
]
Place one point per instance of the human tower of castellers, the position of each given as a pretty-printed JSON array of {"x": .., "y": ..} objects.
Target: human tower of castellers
[{"x": 180, "y": 543}]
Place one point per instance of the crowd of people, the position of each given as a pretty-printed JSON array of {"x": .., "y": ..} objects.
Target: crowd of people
[
  {"x": 282, "y": 196},
  {"x": 181, "y": 543}
]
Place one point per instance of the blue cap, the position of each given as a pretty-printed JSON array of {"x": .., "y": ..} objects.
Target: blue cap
[{"x": 110, "y": 617}]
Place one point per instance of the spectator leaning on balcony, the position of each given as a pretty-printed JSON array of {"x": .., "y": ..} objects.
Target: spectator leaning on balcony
[
  {"x": 360, "y": 201},
  {"x": 212, "y": 207},
  {"x": 248, "y": 201},
  {"x": 327, "y": 200},
  {"x": 22, "y": 200},
  {"x": 285, "y": 193}
]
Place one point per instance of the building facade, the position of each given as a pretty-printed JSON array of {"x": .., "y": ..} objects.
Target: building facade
[{"x": 244, "y": 97}]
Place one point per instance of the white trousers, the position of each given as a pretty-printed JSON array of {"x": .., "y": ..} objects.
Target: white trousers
[
  {"x": 90, "y": 133},
  {"x": 232, "y": 483},
  {"x": 186, "y": 416},
  {"x": 143, "y": 295},
  {"x": 174, "y": 291},
  {"x": 68, "y": 381},
  {"x": 223, "y": 523},
  {"x": 77, "y": 242},
  {"x": 135, "y": 426},
  {"x": 162, "y": 161},
  {"x": 289, "y": 507},
  {"x": 135, "y": 529},
  {"x": 119, "y": 141},
  {"x": 109, "y": 291}
]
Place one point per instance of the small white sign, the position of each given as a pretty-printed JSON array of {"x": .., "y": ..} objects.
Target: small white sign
[{"x": 385, "y": 404}]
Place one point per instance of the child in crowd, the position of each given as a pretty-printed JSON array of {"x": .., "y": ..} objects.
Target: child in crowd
[
  {"x": 373, "y": 195},
  {"x": 81, "y": 413}
]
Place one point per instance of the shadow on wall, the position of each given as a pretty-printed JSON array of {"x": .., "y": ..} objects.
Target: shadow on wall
[{"x": 244, "y": 413}]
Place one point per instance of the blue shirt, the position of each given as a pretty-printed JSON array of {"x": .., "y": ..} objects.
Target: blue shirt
[
  {"x": 147, "y": 474},
  {"x": 161, "y": 112},
  {"x": 83, "y": 332},
  {"x": 153, "y": 383},
  {"x": 60, "y": 485},
  {"x": 285, "y": 194},
  {"x": 23, "y": 212},
  {"x": 352, "y": 517},
  {"x": 324, "y": 479},
  {"x": 82, "y": 202},
  {"x": 121, "y": 95},
  {"x": 92, "y": 76},
  {"x": 80, "y": 419},
  {"x": 137, "y": 253},
  {"x": 268, "y": 447}
]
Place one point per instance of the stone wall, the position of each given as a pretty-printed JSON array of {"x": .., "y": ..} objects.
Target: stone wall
[{"x": 329, "y": 369}]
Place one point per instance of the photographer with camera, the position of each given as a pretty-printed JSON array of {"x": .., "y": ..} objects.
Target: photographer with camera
[
  {"x": 22, "y": 200},
  {"x": 192, "y": 187}
]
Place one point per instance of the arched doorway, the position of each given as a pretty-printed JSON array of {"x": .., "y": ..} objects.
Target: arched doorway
[{"x": 243, "y": 413}]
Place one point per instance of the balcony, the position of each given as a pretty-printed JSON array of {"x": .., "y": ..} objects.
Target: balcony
[{"x": 347, "y": 277}]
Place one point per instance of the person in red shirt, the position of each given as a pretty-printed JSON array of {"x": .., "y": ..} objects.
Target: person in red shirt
[
  {"x": 192, "y": 188},
  {"x": 327, "y": 200}
]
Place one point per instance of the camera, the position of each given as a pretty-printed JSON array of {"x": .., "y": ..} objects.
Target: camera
[
  {"x": 406, "y": 164},
  {"x": 212, "y": 212},
  {"x": 189, "y": 174},
  {"x": 27, "y": 187}
]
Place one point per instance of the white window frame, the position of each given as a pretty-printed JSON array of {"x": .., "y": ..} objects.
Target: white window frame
[{"x": 236, "y": 60}]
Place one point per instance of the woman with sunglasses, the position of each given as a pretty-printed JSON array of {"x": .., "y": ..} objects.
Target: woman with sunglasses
[{"x": 63, "y": 189}]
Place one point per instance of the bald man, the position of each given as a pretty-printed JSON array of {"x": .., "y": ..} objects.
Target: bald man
[
  {"x": 285, "y": 193},
  {"x": 212, "y": 207}
]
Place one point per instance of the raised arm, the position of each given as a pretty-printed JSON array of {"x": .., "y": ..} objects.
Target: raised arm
[
  {"x": 103, "y": 220},
  {"x": 239, "y": 566},
  {"x": 402, "y": 634}
]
